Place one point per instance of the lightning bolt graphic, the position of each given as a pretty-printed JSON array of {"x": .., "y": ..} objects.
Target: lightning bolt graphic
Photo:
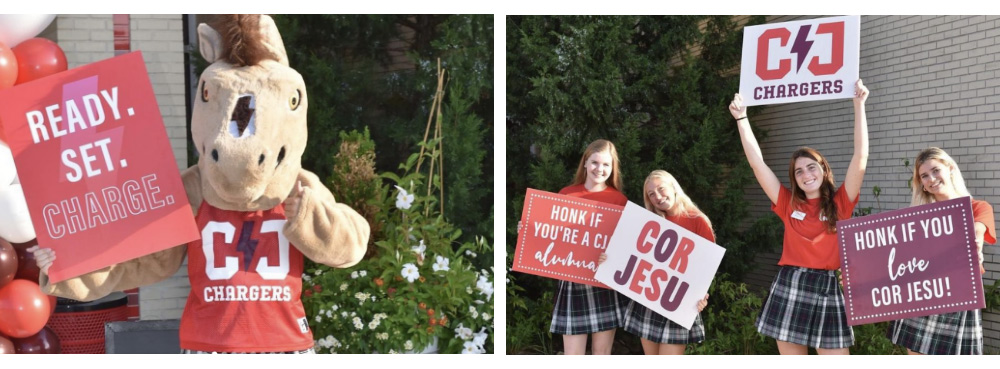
[
  {"x": 246, "y": 245},
  {"x": 801, "y": 46}
]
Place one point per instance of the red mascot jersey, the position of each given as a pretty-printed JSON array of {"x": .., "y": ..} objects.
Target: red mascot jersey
[{"x": 246, "y": 280}]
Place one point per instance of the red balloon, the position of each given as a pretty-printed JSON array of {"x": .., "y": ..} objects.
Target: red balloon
[
  {"x": 37, "y": 58},
  {"x": 8, "y": 67},
  {"x": 6, "y": 345},
  {"x": 27, "y": 268},
  {"x": 8, "y": 263},
  {"x": 24, "y": 309},
  {"x": 43, "y": 342}
]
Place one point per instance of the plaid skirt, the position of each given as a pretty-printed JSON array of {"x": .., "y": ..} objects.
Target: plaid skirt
[
  {"x": 584, "y": 309},
  {"x": 805, "y": 307},
  {"x": 958, "y": 333},
  {"x": 645, "y": 323}
]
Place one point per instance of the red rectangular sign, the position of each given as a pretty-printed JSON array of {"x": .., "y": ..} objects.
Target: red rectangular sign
[
  {"x": 98, "y": 171},
  {"x": 911, "y": 262},
  {"x": 561, "y": 236}
]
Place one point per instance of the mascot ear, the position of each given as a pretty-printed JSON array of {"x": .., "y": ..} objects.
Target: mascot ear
[
  {"x": 209, "y": 42},
  {"x": 272, "y": 39}
]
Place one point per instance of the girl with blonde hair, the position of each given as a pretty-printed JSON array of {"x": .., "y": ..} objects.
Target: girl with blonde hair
[
  {"x": 936, "y": 177},
  {"x": 660, "y": 336}
]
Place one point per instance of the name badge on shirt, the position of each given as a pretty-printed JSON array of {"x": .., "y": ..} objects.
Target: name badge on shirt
[{"x": 798, "y": 215}]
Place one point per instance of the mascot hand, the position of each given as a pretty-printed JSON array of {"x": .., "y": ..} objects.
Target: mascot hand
[
  {"x": 294, "y": 200},
  {"x": 43, "y": 257}
]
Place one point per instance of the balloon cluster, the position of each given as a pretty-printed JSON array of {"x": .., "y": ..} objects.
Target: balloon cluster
[
  {"x": 24, "y": 58},
  {"x": 24, "y": 309}
]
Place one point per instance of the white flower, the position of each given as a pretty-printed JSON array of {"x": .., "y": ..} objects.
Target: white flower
[
  {"x": 419, "y": 249},
  {"x": 391, "y": 351},
  {"x": 343, "y": 314},
  {"x": 408, "y": 345},
  {"x": 373, "y": 324},
  {"x": 470, "y": 253},
  {"x": 382, "y": 336},
  {"x": 441, "y": 263},
  {"x": 358, "y": 324},
  {"x": 354, "y": 275},
  {"x": 343, "y": 286},
  {"x": 329, "y": 314},
  {"x": 318, "y": 272},
  {"x": 335, "y": 307},
  {"x": 363, "y": 273},
  {"x": 470, "y": 348},
  {"x": 410, "y": 272},
  {"x": 484, "y": 286},
  {"x": 468, "y": 290},
  {"x": 319, "y": 318},
  {"x": 486, "y": 316},
  {"x": 480, "y": 338},
  {"x": 306, "y": 277},
  {"x": 462, "y": 332},
  {"x": 403, "y": 199}
]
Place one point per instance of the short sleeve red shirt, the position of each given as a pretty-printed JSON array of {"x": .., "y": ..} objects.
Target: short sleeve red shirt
[
  {"x": 608, "y": 195},
  {"x": 697, "y": 224},
  {"x": 982, "y": 212},
  {"x": 806, "y": 242}
]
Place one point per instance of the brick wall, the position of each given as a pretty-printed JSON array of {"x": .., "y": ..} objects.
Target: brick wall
[
  {"x": 933, "y": 82},
  {"x": 90, "y": 38}
]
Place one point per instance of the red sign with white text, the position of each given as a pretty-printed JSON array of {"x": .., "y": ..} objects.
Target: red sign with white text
[
  {"x": 562, "y": 236},
  {"x": 98, "y": 172}
]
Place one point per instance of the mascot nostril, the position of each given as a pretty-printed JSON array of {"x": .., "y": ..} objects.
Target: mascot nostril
[
  {"x": 215, "y": 155},
  {"x": 281, "y": 156},
  {"x": 261, "y": 160},
  {"x": 241, "y": 124}
]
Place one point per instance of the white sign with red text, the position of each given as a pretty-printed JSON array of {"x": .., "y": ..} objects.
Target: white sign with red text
[
  {"x": 659, "y": 264},
  {"x": 808, "y": 60}
]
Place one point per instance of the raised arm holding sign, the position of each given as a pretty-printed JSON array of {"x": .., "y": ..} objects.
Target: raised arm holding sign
[{"x": 809, "y": 211}]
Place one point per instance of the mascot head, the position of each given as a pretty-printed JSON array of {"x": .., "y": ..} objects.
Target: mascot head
[{"x": 249, "y": 118}]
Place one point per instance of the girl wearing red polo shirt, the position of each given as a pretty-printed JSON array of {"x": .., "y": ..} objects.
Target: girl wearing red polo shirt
[
  {"x": 936, "y": 178},
  {"x": 582, "y": 309},
  {"x": 805, "y": 307}
]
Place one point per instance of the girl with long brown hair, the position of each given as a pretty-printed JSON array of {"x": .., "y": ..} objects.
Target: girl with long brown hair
[{"x": 805, "y": 307}]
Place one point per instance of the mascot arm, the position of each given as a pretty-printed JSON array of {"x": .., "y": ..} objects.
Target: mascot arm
[
  {"x": 134, "y": 273},
  {"x": 130, "y": 274},
  {"x": 325, "y": 231}
]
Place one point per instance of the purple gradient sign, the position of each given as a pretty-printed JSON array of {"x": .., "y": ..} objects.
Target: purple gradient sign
[{"x": 911, "y": 262}]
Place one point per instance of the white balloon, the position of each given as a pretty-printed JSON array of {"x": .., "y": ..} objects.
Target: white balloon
[
  {"x": 15, "y": 28},
  {"x": 8, "y": 175},
  {"x": 15, "y": 222}
]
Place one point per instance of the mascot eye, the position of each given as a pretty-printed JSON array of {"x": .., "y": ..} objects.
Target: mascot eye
[
  {"x": 295, "y": 100},
  {"x": 204, "y": 92}
]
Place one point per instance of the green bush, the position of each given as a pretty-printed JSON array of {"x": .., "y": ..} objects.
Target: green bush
[
  {"x": 418, "y": 286},
  {"x": 730, "y": 322}
]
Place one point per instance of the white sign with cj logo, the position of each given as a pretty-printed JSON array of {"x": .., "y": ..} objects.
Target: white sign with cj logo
[{"x": 807, "y": 60}]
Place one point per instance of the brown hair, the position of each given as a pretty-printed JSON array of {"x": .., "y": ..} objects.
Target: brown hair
[
  {"x": 827, "y": 206},
  {"x": 601, "y": 145},
  {"x": 242, "y": 43}
]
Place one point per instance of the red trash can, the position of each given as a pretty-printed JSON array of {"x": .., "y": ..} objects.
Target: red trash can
[{"x": 80, "y": 325}]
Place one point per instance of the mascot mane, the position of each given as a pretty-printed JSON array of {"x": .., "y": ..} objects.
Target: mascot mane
[{"x": 242, "y": 42}]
